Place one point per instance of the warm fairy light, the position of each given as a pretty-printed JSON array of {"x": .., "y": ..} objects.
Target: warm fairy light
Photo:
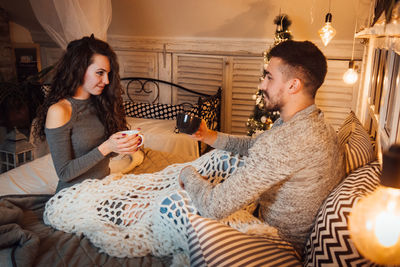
[{"x": 327, "y": 32}]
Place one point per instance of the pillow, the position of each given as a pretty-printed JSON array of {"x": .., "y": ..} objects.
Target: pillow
[
  {"x": 209, "y": 110},
  {"x": 152, "y": 111},
  {"x": 356, "y": 143},
  {"x": 212, "y": 243},
  {"x": 329, "y": 243}
]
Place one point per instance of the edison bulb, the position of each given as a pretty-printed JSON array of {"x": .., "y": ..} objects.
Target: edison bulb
[
  {"x": 350, "y": 76},
  {"x": 327, "y": 33},
  {"x": 374, "y": 226}
]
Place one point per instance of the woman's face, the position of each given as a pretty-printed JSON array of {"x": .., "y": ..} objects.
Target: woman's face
[{"x": 96, "y": 77}]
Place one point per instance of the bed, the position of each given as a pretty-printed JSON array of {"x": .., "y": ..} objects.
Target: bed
[
  {"x": 27, "y": 241},
  {"x": 152, "y": 106}
]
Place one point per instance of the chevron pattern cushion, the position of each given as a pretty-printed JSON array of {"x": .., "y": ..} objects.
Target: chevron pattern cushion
[
  {"x": 329, "y": 243},
  {"x": 356, "y": 143},
  {"x": 212, "y": 243}
]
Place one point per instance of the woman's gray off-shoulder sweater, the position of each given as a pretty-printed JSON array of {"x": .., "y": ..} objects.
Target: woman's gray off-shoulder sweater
[
  {"x": 73, "y": 146},
  {"x": 289, "y": 169}
]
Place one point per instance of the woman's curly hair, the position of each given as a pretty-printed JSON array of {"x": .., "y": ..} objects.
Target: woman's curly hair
[{"x": 69, "y": 75}]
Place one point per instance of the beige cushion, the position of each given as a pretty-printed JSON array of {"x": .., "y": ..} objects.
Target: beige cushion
[{"x": 356, "y": 143}]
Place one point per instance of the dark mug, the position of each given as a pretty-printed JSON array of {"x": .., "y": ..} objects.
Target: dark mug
[{"x": 187, "y": 123}]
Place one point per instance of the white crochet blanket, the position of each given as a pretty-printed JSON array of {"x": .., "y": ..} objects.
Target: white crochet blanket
[{"x": 135, "y": 215}]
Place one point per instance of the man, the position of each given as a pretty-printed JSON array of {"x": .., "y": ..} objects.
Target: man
[{"x": 291, "y": 168}]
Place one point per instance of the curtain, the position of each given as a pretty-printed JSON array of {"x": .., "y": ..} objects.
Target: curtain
[{"x": 67, "y": 20}]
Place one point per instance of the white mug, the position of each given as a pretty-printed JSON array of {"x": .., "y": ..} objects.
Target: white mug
[{"x": 131, "y": 132}]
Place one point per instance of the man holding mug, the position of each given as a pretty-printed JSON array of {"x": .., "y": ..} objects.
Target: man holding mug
[{"x": 291, "y": 168}]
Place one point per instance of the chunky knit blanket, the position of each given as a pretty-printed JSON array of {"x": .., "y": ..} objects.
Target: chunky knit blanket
[{"x": 135, "y": 215}]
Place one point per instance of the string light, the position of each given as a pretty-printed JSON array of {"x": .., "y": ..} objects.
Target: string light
[{"x": 327, "y": 32}]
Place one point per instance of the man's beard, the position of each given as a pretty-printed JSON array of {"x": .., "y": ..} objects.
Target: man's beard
[{"x": 271, "y": 106}]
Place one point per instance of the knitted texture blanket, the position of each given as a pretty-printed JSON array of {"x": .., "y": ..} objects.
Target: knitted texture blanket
[{"x": 135, "y": 215}]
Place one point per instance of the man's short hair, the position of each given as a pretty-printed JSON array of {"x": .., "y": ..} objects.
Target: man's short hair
[{"x": 305, "y": 60}]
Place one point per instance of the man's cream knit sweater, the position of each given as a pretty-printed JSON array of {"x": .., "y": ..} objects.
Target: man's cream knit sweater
[{"x": 289, "y": 170}]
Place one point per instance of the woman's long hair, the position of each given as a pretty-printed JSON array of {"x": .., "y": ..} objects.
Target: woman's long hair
[{"x": 69, "y": 75}]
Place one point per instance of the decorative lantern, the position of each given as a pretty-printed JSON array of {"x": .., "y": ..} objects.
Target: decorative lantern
[{"x": 15, "y": 150}]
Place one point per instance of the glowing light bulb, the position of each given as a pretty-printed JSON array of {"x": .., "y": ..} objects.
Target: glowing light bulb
[
  {"x": 375, "y": 228},
  {"x": 384, "y": 221},
  {"x": 327, "y": 32},
  {"x": 351, "y": 75},
  {"x": 374, "y": 222}
]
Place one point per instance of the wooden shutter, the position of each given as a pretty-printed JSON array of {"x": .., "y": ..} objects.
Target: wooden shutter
[
  {"x": 336, "y": 98},
  {"x": 246, "y": 73},
  {"x": 198, "y": 73}
]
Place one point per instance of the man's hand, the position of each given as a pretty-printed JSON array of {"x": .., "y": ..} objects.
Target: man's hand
[
  {"x": 204, "y": 134},
  {"x": 189, "y": 172},
  {"x": 184, "y": 172}
]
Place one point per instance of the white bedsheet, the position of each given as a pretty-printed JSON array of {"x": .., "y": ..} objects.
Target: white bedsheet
[
  {"x": 159, "y": 135},
  {"x": 35, "y": 177},
  {"x": 39, "y": 176}
]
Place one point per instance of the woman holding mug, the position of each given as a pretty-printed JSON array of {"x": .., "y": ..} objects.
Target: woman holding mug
[{"x": 82, "y": 113}]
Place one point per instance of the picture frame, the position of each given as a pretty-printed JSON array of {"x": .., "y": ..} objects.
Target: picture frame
[{"x": 391, "y": 106}]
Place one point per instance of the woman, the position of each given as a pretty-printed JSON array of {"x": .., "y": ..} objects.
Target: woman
[{"x": 83, "y": 112}]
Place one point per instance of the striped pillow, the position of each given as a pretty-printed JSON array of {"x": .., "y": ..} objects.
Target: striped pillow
[
  {"x": 356, "y": 143},
  {"x": 212, "y": 243},
  {"x": 329, "y": 243}
]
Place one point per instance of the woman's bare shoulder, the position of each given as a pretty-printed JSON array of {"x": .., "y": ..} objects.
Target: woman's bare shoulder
[{"x": 58, "y": 114}]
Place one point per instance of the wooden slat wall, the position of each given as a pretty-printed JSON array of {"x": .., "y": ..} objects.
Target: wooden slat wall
[
  {"x": 336, "y": 98},
  {"x": 246, "y": 73},
  {"x": 203, "y": 74}
]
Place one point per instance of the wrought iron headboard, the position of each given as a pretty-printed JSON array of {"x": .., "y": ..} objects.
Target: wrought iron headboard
[
  {"x": 144, "y": 81},
  {"x": 209, "y": 106}
]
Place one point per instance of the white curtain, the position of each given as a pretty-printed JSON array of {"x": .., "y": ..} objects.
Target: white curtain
[{"x": 67, "y": 20}]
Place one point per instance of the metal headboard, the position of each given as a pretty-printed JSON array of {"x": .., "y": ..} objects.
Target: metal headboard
[
  {"x": 156, "y": 82},
  {"x": 144, "y": 88}
]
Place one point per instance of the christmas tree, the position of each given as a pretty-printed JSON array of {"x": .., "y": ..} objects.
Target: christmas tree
[{"x": 262, "y": 120}]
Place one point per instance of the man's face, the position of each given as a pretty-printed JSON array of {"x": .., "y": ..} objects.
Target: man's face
[{"x": 273, "y": 86}]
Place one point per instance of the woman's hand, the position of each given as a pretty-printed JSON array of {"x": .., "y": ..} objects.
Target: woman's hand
[
  {"x": 204, "y": 134},
  {"x": 121, "y": 143}
]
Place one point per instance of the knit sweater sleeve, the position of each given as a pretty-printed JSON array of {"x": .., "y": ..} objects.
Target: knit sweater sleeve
[
  {"x": 67, "y": 167},
  {"x": 241, "y": 188},
  {"x": 236, "y": 144}
]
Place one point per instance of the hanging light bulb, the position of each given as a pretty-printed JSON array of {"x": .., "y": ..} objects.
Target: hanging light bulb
[
  {"x": 351, "y": 75},
  {"x": 327, "y": 32},
  {"x": 374, "y": 222}
]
